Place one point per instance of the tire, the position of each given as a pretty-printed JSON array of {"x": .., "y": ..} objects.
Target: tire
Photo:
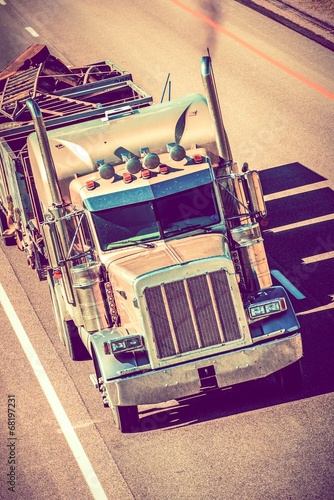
[
  {"x": 290, "y": 378},
  {"x": 125, "y": 417},
  {"x": 67, "y": 330}
]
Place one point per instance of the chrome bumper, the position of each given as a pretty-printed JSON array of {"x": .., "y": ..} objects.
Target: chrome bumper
[{"x": 230, "y": 368}]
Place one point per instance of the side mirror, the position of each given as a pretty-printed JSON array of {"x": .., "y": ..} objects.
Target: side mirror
[{"x": 255, "y": 194}]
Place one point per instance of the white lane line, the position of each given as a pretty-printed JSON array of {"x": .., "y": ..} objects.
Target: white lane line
[
  {"x": 327, "y": 307},
  {"x": 53, "y": 400},
  {"x": 305, "y": 188},
  {"x": 287, "y": 284},
  {"x": 302, "y": 223},
  {"x": 32, "y": 32},
  {"x": 317, "y": 258}
]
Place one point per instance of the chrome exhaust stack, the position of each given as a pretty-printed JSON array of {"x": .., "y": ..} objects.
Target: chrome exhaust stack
[
  {"x": 56, "y": 249},
  {"x": 223, "y": 145},
  {"x": 44, "y": 146}
]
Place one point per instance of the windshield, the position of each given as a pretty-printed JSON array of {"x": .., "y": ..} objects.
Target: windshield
[{"x": 152, "y": 220}]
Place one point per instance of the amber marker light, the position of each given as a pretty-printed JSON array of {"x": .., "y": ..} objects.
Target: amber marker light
[
  {"x": 198, "y": 158},
  {"x": 90, "y": 185},
  {"x": 127, "y": 177},
  {"x": 146, "y": 174},
  {"x": 163, "y": 169}
]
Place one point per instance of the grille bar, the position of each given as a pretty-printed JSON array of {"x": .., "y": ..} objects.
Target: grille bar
[
  {"x": 189, "y": 314},
  {"x": 215, "y": 308},
  {"x": 193, "y": 314},
  {"x": 170, "y": 320}
]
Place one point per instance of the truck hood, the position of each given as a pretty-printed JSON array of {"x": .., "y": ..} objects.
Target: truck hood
[
  {"x": 133, "y": 268},
  {"x": 138, "y": 261}
]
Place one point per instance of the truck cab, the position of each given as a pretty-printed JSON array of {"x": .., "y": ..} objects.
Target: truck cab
[{"x": 157, "y": 266}]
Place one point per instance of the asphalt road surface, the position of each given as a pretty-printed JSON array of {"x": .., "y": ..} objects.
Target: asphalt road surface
[{"x": 277, "y": 92}]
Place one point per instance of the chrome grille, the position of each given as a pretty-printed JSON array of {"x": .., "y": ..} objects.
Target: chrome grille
[{"x": 192, "y": 313}]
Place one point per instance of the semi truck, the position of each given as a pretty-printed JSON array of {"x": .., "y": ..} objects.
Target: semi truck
[{"x": 150, "y": 238}]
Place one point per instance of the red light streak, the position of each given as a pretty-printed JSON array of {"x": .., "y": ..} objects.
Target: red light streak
[{"x": 260, "y": 53}]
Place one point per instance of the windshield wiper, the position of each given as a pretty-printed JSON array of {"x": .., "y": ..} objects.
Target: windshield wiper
[
  {"x": 185, "y": 229},
  {"x": 142, "y": 244},
  {"x": 124, "y": 243}
]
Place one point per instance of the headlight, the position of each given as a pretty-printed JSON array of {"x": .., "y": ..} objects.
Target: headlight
[
  {"x": 124, "y": 344},
  {"x": 266, "y": 308}
]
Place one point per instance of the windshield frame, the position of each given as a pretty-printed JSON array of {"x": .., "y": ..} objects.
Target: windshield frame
[{"x": 161, "y": 218}]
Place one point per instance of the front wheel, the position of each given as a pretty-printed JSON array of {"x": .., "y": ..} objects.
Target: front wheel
[
  {"x": 290, "y": 378},
  {"x": 125, "y": 417},
  {"x": 67, "y": 330}
]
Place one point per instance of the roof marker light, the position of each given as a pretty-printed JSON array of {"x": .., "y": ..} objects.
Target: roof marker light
[
  {"x": 146, "y": 174},
  {"x": 198, "y": 158},
  {"x": 127, "y": 177},
  {"x": 163, "y": 169},
  {"x": 90, "y": 185}
]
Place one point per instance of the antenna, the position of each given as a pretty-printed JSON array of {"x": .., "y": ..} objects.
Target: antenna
[{"x": 163, "y": 93}]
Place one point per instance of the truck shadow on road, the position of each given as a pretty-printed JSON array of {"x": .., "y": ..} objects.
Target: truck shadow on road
[
  {"x": 300, "y": 237},
  {"x": 318, "y": 375},
  {"x": 299, "y": 242}
]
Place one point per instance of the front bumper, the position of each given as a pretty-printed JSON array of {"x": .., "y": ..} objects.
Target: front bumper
[{"x": 230, "y": 368}]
